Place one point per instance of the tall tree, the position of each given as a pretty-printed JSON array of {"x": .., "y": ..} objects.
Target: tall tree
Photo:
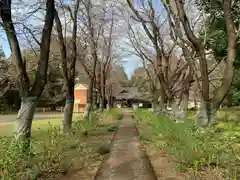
[
  {"x": 29, "y": 95},
  {"x": 215, "y": 36},
  {"x": 106, "y": 56},
  {"x": 68, "y": 73},
  {"x": 93, "y": 49},
  {"x": 170, "y": 72},
  {"x": 210, "y": 105}
]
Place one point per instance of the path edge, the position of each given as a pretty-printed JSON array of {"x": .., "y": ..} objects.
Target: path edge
[
  {"x": 107, "y": 156},
  {"x": 144, "y": 149}
]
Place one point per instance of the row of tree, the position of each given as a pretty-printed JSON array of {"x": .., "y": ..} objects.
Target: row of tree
[
  {"x": 78, "y": 39},
  {"x": 186, "y": 47}
]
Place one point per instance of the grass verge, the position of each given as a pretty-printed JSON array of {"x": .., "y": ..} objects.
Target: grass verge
[
  {"x": 55, "y": 155},
  {"x": 218, "y": 148},
  {"x": 114, "y": 114}
]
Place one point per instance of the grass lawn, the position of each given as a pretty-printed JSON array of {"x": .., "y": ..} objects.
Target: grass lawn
[
  {"x": 213, "y": 154},
  {"x": 7, "y": 129},
  {"x": 54, "y": 155}
]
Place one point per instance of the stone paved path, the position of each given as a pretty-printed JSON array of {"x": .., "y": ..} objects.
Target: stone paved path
[{"x": 127, "y": 160}]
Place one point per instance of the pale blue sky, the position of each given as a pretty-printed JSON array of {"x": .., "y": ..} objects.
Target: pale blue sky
[
  {"x": 4, "y": 44},
  {"x": 129, "y": 65}
]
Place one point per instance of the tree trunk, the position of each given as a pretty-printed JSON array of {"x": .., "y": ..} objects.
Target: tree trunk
[
  {"x": 87, "y": 111},
  {"x": 94, "y": 95},
  {"x": 24, "y": 120},
  {"x": 102, "y": 102},
  {"x": 88, "y": 107},
  {"x": 98, "y": 99},
  {"x": 53, "y": 107},
  {"x": 103, "y": 90},
  {"x": 184, "y": 106},
  {"x": 95, "y": 100},
  {"x": 206, "y": 114},
  {"x": 174, "y": 109},
  {"x": 68, "y": 113},
  {"x": 161, "y": 104},
  {"x": 155, "y": 105},
  {"x": 111, "y": 102}
]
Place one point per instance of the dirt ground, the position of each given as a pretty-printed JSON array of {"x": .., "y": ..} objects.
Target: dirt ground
[{"x": 163, "y": 164}]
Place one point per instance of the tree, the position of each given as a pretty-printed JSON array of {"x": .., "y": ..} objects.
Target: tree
[
  {"x": 173, "y": 73},
  {"x": 106, "y": 55},
  {"x": 210, "y": 105},
  {"x": 216, "y": 37},
  {"x": 216, "y": 29},
  {"x": 68, "y": 71},
  {"x": 92, "y": 31},
  {"x": 29, "y": 94}
]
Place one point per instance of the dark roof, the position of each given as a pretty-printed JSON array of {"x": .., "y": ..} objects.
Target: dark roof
[{"x": 129, "y": 93}]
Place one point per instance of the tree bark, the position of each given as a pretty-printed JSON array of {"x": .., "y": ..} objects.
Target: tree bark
[
  {"x": 93, "y": 46},
  {"x": 103, "y": 91},
  {"x": 68, "y": 74},
  {"x": 163, "y": 99},
  {"x": 184, "y": 106},
  {"x": 198, "y": 47},
  {"x": 88, "y": 107},
  {"x": 24, "y": 120},
  {"x": 174, "y": 109},
  {"x": 68, "y": 113},
  {"x": 231, "y": 56},
  {"x": 206, "y": 114},
  {"x": 110, "y": 101}
]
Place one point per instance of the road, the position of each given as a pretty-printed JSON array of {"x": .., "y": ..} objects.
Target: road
[{"x": 10, "y": 118}]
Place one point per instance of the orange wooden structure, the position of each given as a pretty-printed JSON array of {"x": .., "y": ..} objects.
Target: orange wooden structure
[{"x": 80, "y": 95}]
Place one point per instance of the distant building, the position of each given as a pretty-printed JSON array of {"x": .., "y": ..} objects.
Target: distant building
[
  {"x": 131, "y": 97},
  {"x": 80, "y": 95}
]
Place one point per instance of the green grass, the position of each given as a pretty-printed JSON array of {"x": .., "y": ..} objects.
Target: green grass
[
  {"x": 114, "y": 114},
  {"x": 51, "y": 152},
  {"x": 219, "y": 146},
  {"x": 8, "y": 129}
]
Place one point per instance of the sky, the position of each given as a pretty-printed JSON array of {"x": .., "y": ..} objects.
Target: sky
[
  {"x": 129, "y": 66},
  {"x": 4, "y": 44},
  {"x": 130, "y": 63}
]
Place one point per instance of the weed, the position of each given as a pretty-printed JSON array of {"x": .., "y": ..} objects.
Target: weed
[
  {"x": 190, "y": 148},
  {"x": 103, "y": 149},
  {"x": 114, "y": 114},
  {"x": 51, "y": 151},
  {"x": 112, "y": 128}
]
